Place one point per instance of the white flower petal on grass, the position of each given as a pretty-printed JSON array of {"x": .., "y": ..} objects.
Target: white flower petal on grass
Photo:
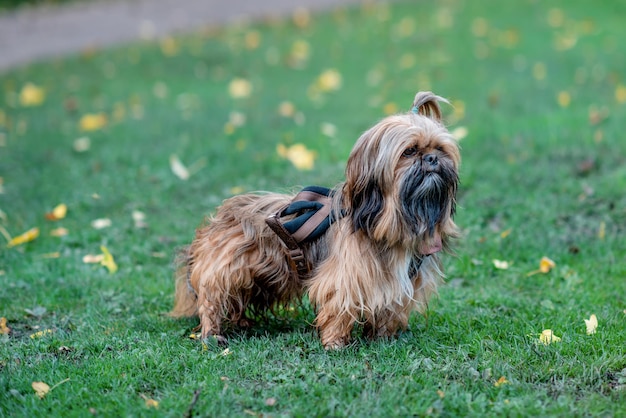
[
  {"x": 591, "y": 324},
  {"x": 101, "y": 223},
  {"x": 501, "y": 264},
  {"x": 178, "y": 168}
]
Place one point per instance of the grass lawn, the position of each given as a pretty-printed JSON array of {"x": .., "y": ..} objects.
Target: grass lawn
[{"x": 539, "y": 94}]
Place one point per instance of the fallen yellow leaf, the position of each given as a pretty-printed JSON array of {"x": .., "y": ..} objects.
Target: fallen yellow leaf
[
  {"x": 480, "y": 27},
  {"x": 41, "y": 389},
  {"x": 501, "y": 381},
  {"x": 547, "y": 337},
  {"x": 31, "y": 95},
  {"x": 252, "y": 40},
  {"x": 55, "y": 254},
  {"x": 390, "y": 108},
  {"x": 107, "y": 260},
  {"x": 59, "y": 212},
  {"x": 27, "y": 236},
  {"x": 298, "y": 155},
  {"x": 301, "y": 17},
  {"x": 539, "y": 71},
  {"x": 59, "y": 232},
  {"x": 93, "y": 258},
  {"x": 169, "y": 46},
  {"x": 592, "y": 324},
  {"x": 286, "y": 109},
  {"x": 545, "y": 265},
  {"x": 564, "y": 99},
  {"x": 602, "y": 231},
  {"x": 459, "y": 133},
  {"x": 92, "y": 121},
  {"x": 300, "y": 52},
  {"x": 40, "y": 334},
  {"x": 150, "y": 403},
  {"x": 239, "y": 88},
  {"x": 4, "y": 329},
  {"x": 620, "y": 93},
  {"x": 329, "y": 80}
]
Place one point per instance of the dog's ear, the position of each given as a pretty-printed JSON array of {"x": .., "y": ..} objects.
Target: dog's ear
[
  {"x": 364, "y": 207},
  {"x": 427, "y": 103}
]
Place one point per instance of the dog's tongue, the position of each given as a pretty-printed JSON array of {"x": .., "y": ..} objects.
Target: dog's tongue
[{"x": 433, "y": 246}]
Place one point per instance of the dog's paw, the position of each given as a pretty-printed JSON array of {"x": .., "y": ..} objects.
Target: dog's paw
[
  {"x": 245, "y": 323},
  {"x": 219, "y": 340},
  {"x": 336, "y": 344}
]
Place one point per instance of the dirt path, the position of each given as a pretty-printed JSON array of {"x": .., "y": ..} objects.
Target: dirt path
[{"x": 31, "y": 34}]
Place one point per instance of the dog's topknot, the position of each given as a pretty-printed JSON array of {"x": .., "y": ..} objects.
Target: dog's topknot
[{"x": 427, "y": 103}]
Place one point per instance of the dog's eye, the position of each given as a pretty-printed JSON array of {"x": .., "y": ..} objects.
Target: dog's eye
[{"x": 409, "y": 152}]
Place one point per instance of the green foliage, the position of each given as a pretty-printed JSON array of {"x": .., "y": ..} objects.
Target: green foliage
[{"x": 540, "y": 90}]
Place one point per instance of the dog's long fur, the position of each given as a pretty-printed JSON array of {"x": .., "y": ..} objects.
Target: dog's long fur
[{"x": 377, "y": 262}]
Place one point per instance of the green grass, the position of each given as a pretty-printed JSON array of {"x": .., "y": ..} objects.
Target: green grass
[{"x": 540, "y": 177}]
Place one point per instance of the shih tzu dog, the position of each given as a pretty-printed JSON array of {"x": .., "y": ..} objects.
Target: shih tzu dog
[{"x": 364, "y": 252}]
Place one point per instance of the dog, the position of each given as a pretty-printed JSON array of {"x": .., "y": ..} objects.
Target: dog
[{"x": 375, "y": 261}]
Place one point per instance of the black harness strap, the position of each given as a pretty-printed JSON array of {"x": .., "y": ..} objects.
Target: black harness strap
[{"x": 312, "y": 210}]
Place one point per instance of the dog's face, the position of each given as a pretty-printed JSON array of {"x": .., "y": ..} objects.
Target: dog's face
[{"x": 402, "y": 177}]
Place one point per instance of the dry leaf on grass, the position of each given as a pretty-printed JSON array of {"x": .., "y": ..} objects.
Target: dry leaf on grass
[
  {"x": 92, "y": 122},
  {"x": 239, "y": 88},
  {"x": 58, "y": 213},
  {"x": 545, "y": 265},
  {"x": 59, "y": 232},
  {"x": 301, "y": 157},
  {"x": 31, "y": 95},
  {"x": 27, "y": 236},
  {"x": 547, "y": 337},
  {"x": 150, "y": 403},
  {"x": 41, "y": 389},
  {"x": 107, "y": 260},
  {"x": 40, "y": 334},
  {"x": 178, "y": 168},
  {"x": 101, "y": 223},
  {"x": 4, "y": 329}
]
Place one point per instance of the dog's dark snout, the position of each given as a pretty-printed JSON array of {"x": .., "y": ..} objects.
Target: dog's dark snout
[{"x": 431, "y": 159}]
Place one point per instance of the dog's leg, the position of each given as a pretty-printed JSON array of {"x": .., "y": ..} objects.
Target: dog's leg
[
  {"x": 210, "y": 314},
  {"x": 386, "y": 324},
  {"x": 335, "y": 329}
]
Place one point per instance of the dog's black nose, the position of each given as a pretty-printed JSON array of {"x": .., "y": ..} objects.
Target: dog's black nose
[{"x": 431, "y": 159}]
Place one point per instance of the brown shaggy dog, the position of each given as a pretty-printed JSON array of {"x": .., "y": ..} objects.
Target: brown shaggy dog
[{"x": 378, "y": 260}]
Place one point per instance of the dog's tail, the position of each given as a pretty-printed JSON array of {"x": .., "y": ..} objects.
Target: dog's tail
[{"x": 185, "y": 297}]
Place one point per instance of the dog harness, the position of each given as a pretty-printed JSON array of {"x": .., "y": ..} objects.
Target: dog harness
[{"x": 309, "y": 218}]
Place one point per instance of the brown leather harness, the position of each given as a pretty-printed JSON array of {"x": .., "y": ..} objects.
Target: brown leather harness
[{"x": 312, "y": 210}]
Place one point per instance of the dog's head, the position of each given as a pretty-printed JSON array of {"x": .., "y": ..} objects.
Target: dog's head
[{"x": 402, "y": 178}]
